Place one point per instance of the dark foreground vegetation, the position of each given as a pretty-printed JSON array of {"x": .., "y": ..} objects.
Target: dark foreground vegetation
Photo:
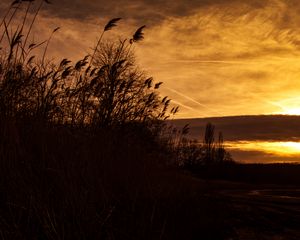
[
  {"x": 63, "y": 184},
  {"x": 85, "y": 152}
]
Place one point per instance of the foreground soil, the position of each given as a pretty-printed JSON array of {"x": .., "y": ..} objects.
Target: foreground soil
[{"x": 260, "y": 211}]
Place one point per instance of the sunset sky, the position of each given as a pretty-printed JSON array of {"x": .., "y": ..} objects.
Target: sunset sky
[{"x": 215, "y": 57}]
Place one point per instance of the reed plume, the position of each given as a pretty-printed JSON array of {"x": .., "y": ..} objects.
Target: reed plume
[
  {"x": 111, "y": 24},
  {"x": 137, "y": 37}
]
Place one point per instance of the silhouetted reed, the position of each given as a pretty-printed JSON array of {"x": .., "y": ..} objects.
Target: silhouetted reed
[
  {"x": 102, "y": 90},
  {"x": 111, "y": 24}
]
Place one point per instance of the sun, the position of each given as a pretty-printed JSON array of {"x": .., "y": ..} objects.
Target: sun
[
  {"x": 288, "y": 111},
  {"x": 292, "y": 111},
  {"x": 289, "y": 106}
]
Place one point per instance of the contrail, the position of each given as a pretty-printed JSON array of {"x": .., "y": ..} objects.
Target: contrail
[
  {"x": 290, "y": 99},
  {"x": 245, "y": 62},
  {"x": 269, "y": 102},
  {"x": 282, "y": 105},
  {"x": 275, "y": 105},
  {"x": 188, "y": 107},
  {"x": 218, "y": 61},
  {"x": 284, "y": 109},
  {"x": 193, "y": 100}
]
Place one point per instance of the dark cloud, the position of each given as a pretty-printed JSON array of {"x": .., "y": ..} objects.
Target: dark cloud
[
  {"x": 247, "y": 128},
  {"x": 258, "y": 75},
  {"x": 149, "y": 11}
]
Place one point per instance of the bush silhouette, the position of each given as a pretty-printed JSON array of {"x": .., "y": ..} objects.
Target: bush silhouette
[
  {"x": 123, "y": 92},
  {"x": 193, "y": 154}
]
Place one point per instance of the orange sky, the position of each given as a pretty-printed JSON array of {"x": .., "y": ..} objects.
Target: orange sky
[{"x": 216, "y": 58}]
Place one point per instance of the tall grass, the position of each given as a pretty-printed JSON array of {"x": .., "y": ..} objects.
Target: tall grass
[{"x": 103, "y": 89}]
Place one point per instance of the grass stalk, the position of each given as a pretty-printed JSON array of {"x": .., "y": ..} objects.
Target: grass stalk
[
  {"x": 32, "y": 23},
  {"x": 47, "y": 44},
  {"x": 10, "y": 19}
]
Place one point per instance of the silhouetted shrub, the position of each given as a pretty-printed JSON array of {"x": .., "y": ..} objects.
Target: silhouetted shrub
[{"x": 193, "y": 154}]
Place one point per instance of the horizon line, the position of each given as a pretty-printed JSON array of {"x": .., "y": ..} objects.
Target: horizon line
[{"x": 229, "y": 116}]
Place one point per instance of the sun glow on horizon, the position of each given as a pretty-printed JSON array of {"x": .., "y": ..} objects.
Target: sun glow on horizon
[
  {"x": 289, "y": 106},
  {"x": 275, "y": 148},
  {"x": 292, "y": 111}
]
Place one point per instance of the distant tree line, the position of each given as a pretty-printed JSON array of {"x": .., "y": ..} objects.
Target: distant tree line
[{"x": 194, "y": 153}]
